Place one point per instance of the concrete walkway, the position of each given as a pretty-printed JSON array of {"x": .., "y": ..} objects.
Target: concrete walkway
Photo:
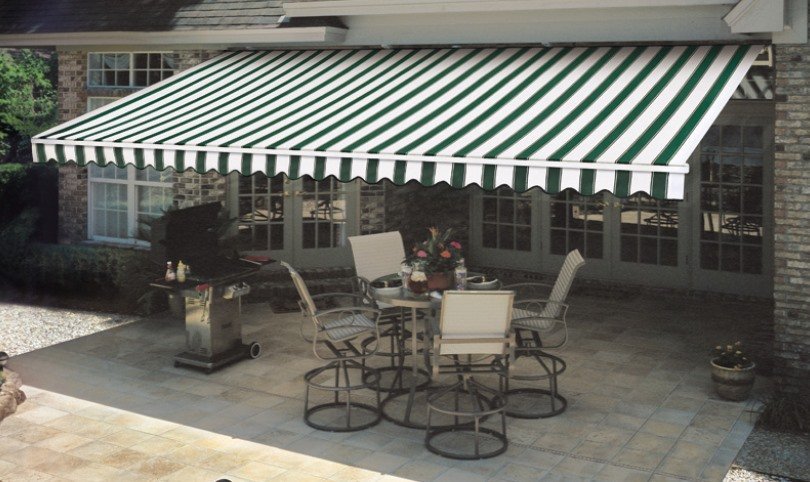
[{"x": 111, "y": 406}]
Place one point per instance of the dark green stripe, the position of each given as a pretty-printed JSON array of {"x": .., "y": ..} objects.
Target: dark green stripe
[
  {"x": 118, "y": 152},
  {"x": 383, "y": 97},
  {"x": 472, "y": 124},
  {"x": 41, "y": 156},
  {"x": 306, "y": 78},
  {"x": 60, "y": 154},
  {"x": 520, "y": 180},
  {"x": 457, "y": 174},
  {"x": 151, "y": 92},
  {"x": 178, "y": 112},
  {"x": 676, "y": 142},
  {"x": 670, "y": 109},
  {"x": 345, "y": 169},
  {"x": 178, "y": 117},
  {"x": 139, "y": 163},
  {"x": 642, "y": 105},
  {"x": 591, "y": 126},
  {"x": 200, "y": 162},
  {"x": 295, "y": 166},
  {"x": 318, "y": 119},
  {"x": 180, "y": 161},
  {"x": 553, "y": 175},
  {"x": 488, "y": 177},
  {"x": 622, "y": 187},
  {"x": 80, "y": 160},
  {"x": 583, "y": 105},
  {"x": 659, "y": 185},
  {"x": 388, "y": 126},
  {"x": 526, "y": 105},
  {"x": 159, "y": 160},
  {"x": 428, "y": 177},
  {"x": 320, "y": 168},
  {"x": 468, "y": 104},
  {"x": 552, "y": 107},
  {"x": 247, "y": 164},
  {"x": 101, "y": 160},
  {"x": 270, "y": 165},
  {"x": 586, "y": 181},
  {"x": 223, "y": 163},
  {"x": 399, "y": 171},
  {"x": 371, "y": 171}
]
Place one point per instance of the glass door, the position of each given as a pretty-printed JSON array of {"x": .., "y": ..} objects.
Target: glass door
[
  {"x": 326, "y": 214},
  {"x": 649, "y": 245},
  {"x": 734, "y": 242},
  {"x": 304, "y": 222}
]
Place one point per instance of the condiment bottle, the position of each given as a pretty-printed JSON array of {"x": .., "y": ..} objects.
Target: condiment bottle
[
  {"x": 170, "y": 276},
  {"x": 181, "y": 272}
]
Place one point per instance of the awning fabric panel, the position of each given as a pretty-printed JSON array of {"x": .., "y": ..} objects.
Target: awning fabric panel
[{"x": 622, "y": 119}]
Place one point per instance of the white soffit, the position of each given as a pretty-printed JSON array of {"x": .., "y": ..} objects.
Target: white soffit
[
  {"x": 756, "y": 16},
  {"x": 388, "y": 7}
]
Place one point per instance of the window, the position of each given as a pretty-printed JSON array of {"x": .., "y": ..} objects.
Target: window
[
  {"x": 507, "y": 220},
  {"x": 121, "y": 199},
  {"x": 577, "y": 222},
  {"x": 94, "y": 103},
  {"x": 137, "y": 69}
]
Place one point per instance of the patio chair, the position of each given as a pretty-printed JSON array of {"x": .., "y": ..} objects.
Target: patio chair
[
  {"x": 473, "y": 334},
  {"x": 336, "y": 329},
  {"x": 377, "y": 255},
  {"x": 539, "y": 325}
]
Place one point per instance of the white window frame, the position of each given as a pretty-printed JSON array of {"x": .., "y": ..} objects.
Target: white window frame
[
  {"x": 132, "y": 185},
  {"x": 110, "y": 99},
  {"x": 132, "y": 69}
]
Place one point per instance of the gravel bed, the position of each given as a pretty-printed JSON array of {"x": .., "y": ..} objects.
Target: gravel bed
[
  {"x": 768, "y": 452},
  {"x": 25, "y": 328}
]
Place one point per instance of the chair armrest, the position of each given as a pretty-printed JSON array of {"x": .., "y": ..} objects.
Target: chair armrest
[{"x": 365, "y": 299}]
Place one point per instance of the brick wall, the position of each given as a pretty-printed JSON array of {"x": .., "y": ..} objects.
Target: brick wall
[
  {"x": 792, "y": 220},
  {"x": 190, "y": 188}
]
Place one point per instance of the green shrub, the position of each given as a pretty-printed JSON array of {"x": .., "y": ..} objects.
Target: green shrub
[{"x": 785, "y": 413}]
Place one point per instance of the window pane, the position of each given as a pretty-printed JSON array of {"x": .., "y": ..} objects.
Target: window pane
[
  {"x": 558, "y": 243},
  {"x": 140, "y": 78},
  {"x": 752, "y": 259},
  {"x": 154, "y": 77},
  {"x": 506, "y": 211},
  {"x": 709, "y": 256},
  {"x": 629, "y": 249},
  {"x": 523, "y": 241},
  {"x": 154, "y": 61},
  {"x": 490, "y": 236},
  {"x": 122, "y": 61},
  {"x": 140, "y": 61},
  {"x": 490, "y": 209},
  {"x": 122, "y": 78},
  {"x": 506, "y": 237},
  {"x": 94, "y": 61},
  {"x": 109, "y": 61},
  {"x": 168, "y": 61}
]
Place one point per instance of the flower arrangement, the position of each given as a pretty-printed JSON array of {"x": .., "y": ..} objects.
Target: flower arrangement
[
  {"x": 437, "y": 254},
  {"x": 731, "y": 356}
]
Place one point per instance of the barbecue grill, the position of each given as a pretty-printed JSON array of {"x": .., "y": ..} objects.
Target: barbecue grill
[{"x": 213, "y": 289}]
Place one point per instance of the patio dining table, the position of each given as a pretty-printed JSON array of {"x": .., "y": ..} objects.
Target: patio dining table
[{"x": 403, "y": 298}]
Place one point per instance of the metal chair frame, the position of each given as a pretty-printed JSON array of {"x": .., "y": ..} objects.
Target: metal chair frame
[{"x": 335, "y": 327}]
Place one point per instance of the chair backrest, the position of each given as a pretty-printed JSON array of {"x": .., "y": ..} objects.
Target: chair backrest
[
  {"x": 471, "y": 315},
  {"x": 573, "y": 261},
  {"x": 377, "y": 255},
  {"x": 303, "y": 291}
]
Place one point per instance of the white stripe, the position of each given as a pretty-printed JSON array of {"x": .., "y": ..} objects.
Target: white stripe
[
  {"x": 444, "y": 172},
  {"x": 332, "y": 167},
  {"x": 615, "y": 118},
  {"x": 283, "y": 164},
  {"x": 473, "y": 174},
  {"x": 413, "y": 171},
  {"x": 675, "y": 186},
  {"x": 504, "y": 175},
  {"x": 657, "y": 144},
  {"x": 569, "y": 178},
  {"x": 235, "y": 163},
  {"x": 306, "y": 166},
  {"x": 385, "y": 169},
  {"x": 604, "y": 180},
  {"x": 359, "y": 167}
]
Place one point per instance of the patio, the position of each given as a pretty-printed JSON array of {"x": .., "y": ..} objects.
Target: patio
[{"x": 641, "y": 407}]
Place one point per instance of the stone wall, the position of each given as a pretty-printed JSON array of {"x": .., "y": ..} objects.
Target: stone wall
[
  {"x": 190, "y": 188},
  {"x": 413, "y": 208},
  {"x": 792, "y": 220}
]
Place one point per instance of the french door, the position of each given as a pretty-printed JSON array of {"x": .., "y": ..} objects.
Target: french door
[{"x": 304, "y": 222}]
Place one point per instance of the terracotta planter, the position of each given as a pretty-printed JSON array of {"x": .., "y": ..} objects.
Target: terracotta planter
[
  {"x": 733, "y": 383},
  {"x": 441, "y": 281}
]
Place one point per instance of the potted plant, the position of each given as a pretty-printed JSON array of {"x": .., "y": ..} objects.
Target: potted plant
[
  {"x": 732, "y": 372},
  {"x": 437, "y": 257}
]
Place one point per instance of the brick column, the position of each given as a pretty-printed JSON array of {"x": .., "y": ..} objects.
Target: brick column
[
  {"x": 792, "y": 220},
  {"x": 72, "y": 95}
]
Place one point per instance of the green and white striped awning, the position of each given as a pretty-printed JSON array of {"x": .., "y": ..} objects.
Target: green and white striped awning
[{"x": 622, "y": 119}]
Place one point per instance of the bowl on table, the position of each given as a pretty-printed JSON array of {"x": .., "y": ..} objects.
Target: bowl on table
[
  {"x": 390, "y": 287},
  {"x": 483, "y": 282}
]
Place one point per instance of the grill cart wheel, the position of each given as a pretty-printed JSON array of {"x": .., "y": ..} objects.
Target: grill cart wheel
[{"x": 254, "y": 350}]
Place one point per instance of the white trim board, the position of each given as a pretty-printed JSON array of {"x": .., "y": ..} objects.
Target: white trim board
[{"x": 198, "y": 38}]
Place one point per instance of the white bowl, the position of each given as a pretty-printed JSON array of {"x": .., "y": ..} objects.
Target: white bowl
[
  {"x": 486, "y": 285},
  {"x": 389, "y": 291}
]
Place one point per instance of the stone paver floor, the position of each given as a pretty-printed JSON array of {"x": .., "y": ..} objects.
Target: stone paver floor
[{"x": 111, "y": 406}]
